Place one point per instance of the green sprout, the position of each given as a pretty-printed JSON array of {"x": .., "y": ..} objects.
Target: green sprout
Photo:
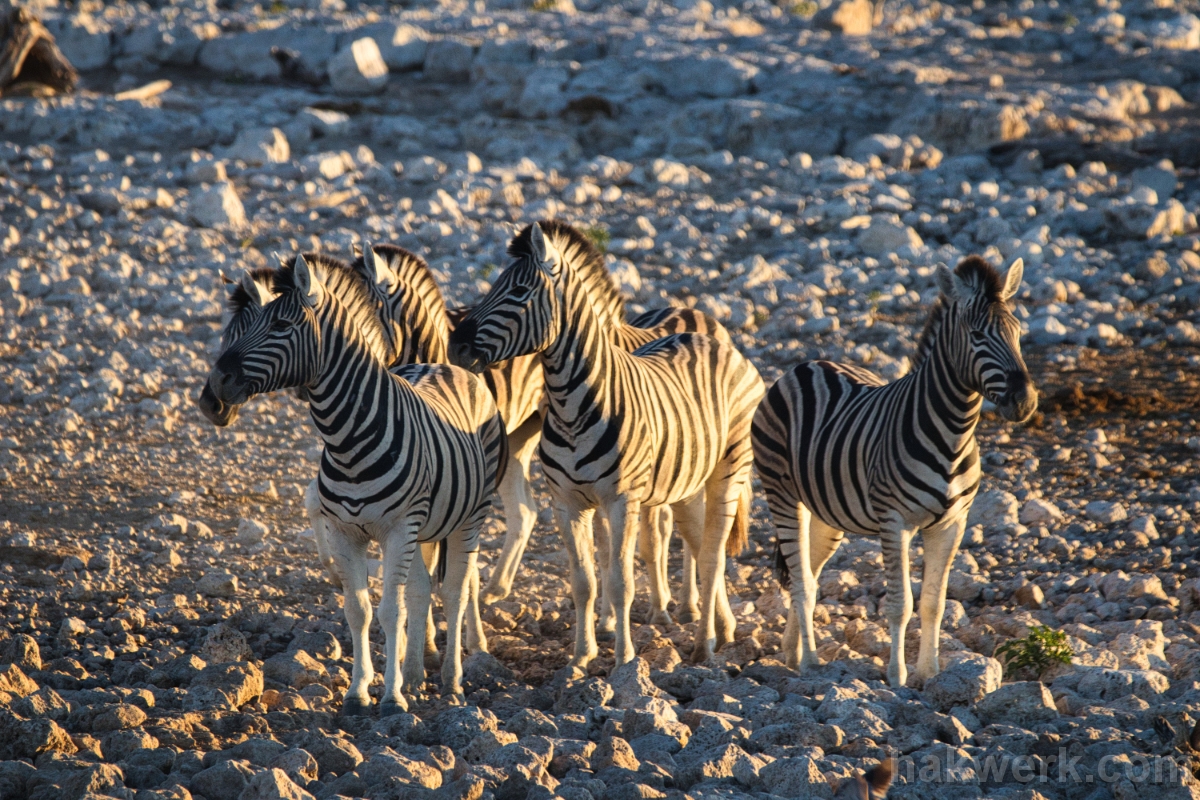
[
  {"x": 598, "y": 236},
  {"x": 803, "y": 8},
  {"x": 1037, "y": 652}
]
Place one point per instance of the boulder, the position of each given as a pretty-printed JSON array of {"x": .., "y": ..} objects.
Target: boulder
[
  {"x": 994, "y": 509},
  {"x": 258, "y": 146},
  {"x": 273, "y": 784}
]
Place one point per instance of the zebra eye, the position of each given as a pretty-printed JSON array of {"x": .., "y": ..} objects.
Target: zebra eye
[{"x": 280, "y": 325}]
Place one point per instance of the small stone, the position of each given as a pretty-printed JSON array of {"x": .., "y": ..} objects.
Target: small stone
[
  {"x": 1039, "y": 512},
  {"x": 119, "y": 717},
  {"x": 225, "y": 686},
  {"x": 295, "y": 670},
  {"x": 578, "y": 697},
  {"x": 965, "y": 680},
  {"x": 631, "y": 682},
  {"x": 223, "y": 644},
  {"x": 1024, "y": 704},
  {"x": 298, "y": 764},
  {"x": 614, "y": 751},
  {"x": 795, "y": 777},
  {"x": 994, "y": 509},
  {"x": 15, "y": 682},
  {"x": 251, "y": 531},
  {"x": 886, "y": 234},
  {"x": 29, "y": 738},
  {"x": 218, "y": 583},
  {"x": 273, "y": 784},
  {"x": 1030, "y": 595},
  {"x": 358, "y": 69},
  {"x": 258, "y": 146},
  {"x": 72, "y": 627},
  {"x": 217, "y": 207},
  {"x": 1105, "y": 511},
  {"x": 22, "y": 650},
  {"x": 848, "y": 17},
  {"x": 226, "y": 779}
]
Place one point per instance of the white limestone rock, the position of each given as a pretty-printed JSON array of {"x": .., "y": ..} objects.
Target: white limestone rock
[{"x": 358, "y": 69}]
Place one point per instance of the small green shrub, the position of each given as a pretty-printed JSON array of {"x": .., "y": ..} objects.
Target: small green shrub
[
  {"x": 804, "y": 8},
  {"x": 598, "y": 236},
  {"x": 487, "y": 270},
  {"x": 1037, "y": 652}
]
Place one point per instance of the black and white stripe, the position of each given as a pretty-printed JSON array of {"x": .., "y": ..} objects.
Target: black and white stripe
[
  {"x": 666, "y": 425},
  {"x": 839, "y": 450},
  {"x": 409, "y": 458}
]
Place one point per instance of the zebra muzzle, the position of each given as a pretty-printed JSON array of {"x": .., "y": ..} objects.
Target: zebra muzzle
[{"x": 214, "y": 410}]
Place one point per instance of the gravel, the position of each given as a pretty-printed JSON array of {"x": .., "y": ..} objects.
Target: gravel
[{"x": 797, "y": 171}]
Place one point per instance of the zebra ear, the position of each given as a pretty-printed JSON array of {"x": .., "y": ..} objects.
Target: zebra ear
[
  {"x": 225, "y": 279},
  {"x": 542, "y": 251},
  {"x": 378, "y": 270},
  {"x": 945, "y": 279},
  {"x": 252, "y": 289},
  {"x": 1012, "y": 281},
  {"x": 308, "y": 283}
]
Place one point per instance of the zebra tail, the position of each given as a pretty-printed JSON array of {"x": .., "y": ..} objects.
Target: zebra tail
[
  {"x": 780, "y": 568},
  {"x": 739, "y": 536},
  {"x": 442, "y": 557}
]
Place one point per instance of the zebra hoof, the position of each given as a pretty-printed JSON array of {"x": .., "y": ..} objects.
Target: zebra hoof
[
  {"x": 605, "y": 636},
  {"x": 433, "y": 661},
  {"x": 492, "y": 595},
  {"x": 355, "y": 707},
  {"x": 687, "y": 615},
  {"x": 390, "y": 708},
  {"x": 661, "y": 617}
]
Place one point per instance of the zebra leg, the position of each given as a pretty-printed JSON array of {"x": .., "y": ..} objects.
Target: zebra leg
[
  {"x": 624, "y": 515},
  {"x": 716, "y": 619},
  {"x": 654, "y": 537},
  {"x": 602, "y": 530},
  {"x": 350, "y": 563},
  {"x": 433, "y": 659},
  {"x": 320, "y": 526},
  {"x": 418, "y": 593},
  {"x": 691, "y": 592},
  {"x": 399, "y": 574},
  {"x": 520, "y": 511},
  {"x": 459, "y": 567},
  {"x": 793, "y": 528},
  {"x": 941, "y": 545},
  {"x": 823, "y": 542},
  {"x": 898, "y": 606},
  {"x": 689, "y": 517},
  {"x": 576, "y": 527},
  {"x": 476, "y": 638}
]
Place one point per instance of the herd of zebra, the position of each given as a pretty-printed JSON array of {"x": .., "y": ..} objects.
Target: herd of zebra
[{"x": 654, "y": 422}]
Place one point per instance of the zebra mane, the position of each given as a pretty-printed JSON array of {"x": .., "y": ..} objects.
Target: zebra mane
[
  {"x": 411, "y": 270},
  {"x": 351, "y": 290},
  {"x": 239, "y": 298},
  {"x": 586, "y": 261},
  {"x": 973, "y": 270}
]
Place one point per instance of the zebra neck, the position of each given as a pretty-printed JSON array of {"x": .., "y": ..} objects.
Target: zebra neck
[
  {"x": 941, "y": 381},
  {"x": 581, "y": 357},
  {"x": 354, "y": 399}
]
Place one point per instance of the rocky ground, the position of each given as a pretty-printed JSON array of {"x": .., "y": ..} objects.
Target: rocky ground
[{"x": 167, "y": 632}]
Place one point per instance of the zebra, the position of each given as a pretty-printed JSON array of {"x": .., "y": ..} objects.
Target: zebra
[
  {"x": 412, "y": 306},
  {"x": 667, "y": 424},
  {"x": 409, "y": 458},
  {"x": 838, "y": 449}
]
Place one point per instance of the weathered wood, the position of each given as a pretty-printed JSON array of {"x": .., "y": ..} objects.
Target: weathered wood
[{"x": 29, "y": 58}]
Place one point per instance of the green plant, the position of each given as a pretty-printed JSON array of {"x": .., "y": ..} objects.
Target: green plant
[
  {"x": 277, "y": 7},
  {"x": 1070, "y": 21},
  {"x": 486, "y": 270},
  {"x": 544, "y": 5},
  {"x": 1037, "y": 652},
  {"x": 873, "y": 298},
  {"x": 598, "y": 236},
  {"x": 803, "y": 8}
]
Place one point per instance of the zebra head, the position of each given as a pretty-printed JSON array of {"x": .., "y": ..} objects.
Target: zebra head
[
  {"x": 520, "y": 314},
  {"x": 244, "y": 305},
  {"x": 979, "y": 303},
  {"x": 277, "y": 350}
]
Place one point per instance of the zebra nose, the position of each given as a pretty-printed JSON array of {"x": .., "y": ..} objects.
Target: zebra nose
[{"x": 462, "y": 354}]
